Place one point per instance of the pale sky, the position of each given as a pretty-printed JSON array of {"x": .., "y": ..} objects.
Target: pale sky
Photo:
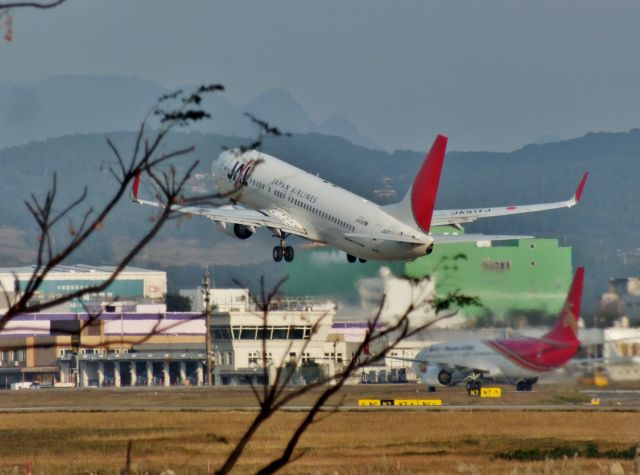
[{"x": 492, "y": 75}]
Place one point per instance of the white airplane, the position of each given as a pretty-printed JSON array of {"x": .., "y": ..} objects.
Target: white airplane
[
  {"x": 511, "y": 361},
  {"x": 289, "y": 201}
]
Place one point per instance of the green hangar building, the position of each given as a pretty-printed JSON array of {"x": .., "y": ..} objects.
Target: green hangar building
[{"x": 507, "y": 276}]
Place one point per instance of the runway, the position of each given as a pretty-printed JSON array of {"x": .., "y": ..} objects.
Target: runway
[
  {"x": 381, "y": 409},
  {"x": 241, "y": 399}
]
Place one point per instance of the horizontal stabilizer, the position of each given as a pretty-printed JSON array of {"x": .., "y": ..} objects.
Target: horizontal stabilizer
[
  {"x": 453, "y": 238},
  {"x": 424, "y": 239}
]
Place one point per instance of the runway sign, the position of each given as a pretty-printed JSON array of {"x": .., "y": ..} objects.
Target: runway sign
[
  {"x": 368, "y": 402},
  {"x": 418, "y": 402},
  {"x": 399, "y": 402},
  {"x": 491, "y": 392}
]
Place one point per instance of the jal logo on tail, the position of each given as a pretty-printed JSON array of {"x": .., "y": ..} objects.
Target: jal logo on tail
[{"x": 240, "y": 172}]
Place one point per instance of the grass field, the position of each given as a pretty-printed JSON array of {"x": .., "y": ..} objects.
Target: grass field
[
  {"x": 359, "y": 442},
  {"x": 94, "y": 439}
]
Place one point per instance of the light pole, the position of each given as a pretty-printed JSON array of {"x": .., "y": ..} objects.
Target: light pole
[{"x": 208, "y": 341}]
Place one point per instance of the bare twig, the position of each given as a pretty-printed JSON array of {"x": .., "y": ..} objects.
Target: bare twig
[
  {"x": 127, "y": 467},
  {"x": 274, "y": 398},
  {"x": 171, "y": 186},
  {"x": 39, "y": 5}
]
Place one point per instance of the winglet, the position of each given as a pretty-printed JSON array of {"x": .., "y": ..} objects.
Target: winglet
[
  {"x": 425, "y": 185},
  {"x": 580, "y": 188},
  {"x": 566, "y": 328},
  {"x": 134, "y": 188}
]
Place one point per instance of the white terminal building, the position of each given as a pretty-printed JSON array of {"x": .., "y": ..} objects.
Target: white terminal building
[
  {"x": 143, "y": 345},
  {"x": 297, "y": 331}
]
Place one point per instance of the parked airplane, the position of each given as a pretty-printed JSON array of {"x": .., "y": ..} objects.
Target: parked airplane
[
  {"x": 289, "y": 201},
  {"x": 512, "y": 361}
]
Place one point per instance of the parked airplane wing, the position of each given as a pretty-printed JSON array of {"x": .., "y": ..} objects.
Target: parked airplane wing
[
  {"x": 461, "y": 216},
  {"x": 274, "y": 218},
  {"x": 447, "y": 366}
]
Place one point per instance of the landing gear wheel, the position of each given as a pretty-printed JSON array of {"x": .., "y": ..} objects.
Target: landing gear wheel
[
  {"x": 432, "y": 389},
  {"x": 362, "y": 260},
  {"x": 288, "y": 253},
  {"x": 521, "y": 386},
  {"x": 277, "y": 253},
  {"x": 528, "y": 386},
  {"x": 351, "y": 258}
]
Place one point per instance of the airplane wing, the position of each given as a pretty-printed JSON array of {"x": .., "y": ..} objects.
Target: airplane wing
[
  {"x": 274, "y": 218},
  {"x": 462, "y": 216}
]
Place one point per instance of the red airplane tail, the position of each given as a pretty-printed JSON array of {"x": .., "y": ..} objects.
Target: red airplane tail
[
  {"x": 135, "y": 187},
  {"x": 566, "y": 327},
  {"x": 416, "y": 209}
]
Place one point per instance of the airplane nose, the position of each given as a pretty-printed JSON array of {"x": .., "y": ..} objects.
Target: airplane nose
[{"x": 218, "y": 163}]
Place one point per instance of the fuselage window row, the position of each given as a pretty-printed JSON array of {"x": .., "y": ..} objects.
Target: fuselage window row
[{"x": 305, "y": 206}]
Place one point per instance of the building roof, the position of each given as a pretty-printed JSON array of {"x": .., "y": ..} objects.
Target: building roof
[{"x": 77, "y": 268}]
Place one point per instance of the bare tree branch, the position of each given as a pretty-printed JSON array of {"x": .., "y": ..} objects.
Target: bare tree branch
[
  {"x": 39, "y": 5},
  {"x": 274, "y": 397},
  {"x": 48, "y": 257}
]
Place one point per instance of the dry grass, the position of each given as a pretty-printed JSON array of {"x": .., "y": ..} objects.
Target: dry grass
[{"x": 359, "y": 442}]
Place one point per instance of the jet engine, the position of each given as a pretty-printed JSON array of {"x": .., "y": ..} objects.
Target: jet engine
[
  {"x": 434, "y": 376},
  {"x": 239, "y": 231},
  {"x": 243, "y": 232},
  {"x": 444, "y": 378}
]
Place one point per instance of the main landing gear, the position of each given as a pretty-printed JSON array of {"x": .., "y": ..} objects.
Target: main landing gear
[
  {"x": 474, "y": 384},
  {"x": 525, "y": 384},
  {"x": 473, "y": 388},
  {"x": 283, "y": 251},
  {"x": 352, "y": 259}
]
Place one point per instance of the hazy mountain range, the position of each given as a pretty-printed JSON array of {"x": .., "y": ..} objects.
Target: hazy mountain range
[
  {"x": 69, "y": 104},
  {"x": 602, "y": 229}
]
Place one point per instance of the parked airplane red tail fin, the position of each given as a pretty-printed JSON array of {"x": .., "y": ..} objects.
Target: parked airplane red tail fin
[
  {"x": 416, "y": 209},
  {"x": 566, "y": 327}
]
